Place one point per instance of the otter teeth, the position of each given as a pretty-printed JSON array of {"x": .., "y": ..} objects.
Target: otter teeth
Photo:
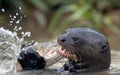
[{"x": 67, "y": 55}]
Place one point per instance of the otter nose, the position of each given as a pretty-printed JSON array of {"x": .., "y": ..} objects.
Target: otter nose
[{"x": 62, "y": 40}]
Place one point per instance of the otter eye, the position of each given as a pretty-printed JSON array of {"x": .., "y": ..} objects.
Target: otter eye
[{"x": 75, "y": 38}]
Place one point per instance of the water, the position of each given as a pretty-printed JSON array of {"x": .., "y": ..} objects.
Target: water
[{"x": 10, "y": 49}]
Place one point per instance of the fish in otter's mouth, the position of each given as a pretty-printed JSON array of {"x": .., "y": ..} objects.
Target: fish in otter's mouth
[{"x": 68, "y": 54}]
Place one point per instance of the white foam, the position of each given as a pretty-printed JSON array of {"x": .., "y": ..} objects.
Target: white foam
[{"x": 10, "y": 49}]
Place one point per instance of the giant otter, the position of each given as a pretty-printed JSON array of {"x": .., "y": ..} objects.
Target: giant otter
[
  {"x": 89, "y": 49},
  {"x": 86, "y": 49}
]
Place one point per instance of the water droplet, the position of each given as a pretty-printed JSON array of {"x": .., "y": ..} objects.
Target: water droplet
[
  {"x": 11, "y": 21},
  {"x": 22, "y": 33},
  {"x": 25, "y": 52},
  {"x": 10, "y": 15},
  {"x": 20, "y": 28},
  {"x": 18, "y": 21},
  {"x": 15, "y": 27},
  {"x": 20, "y": 57},
  {"x": 20, "y": 8},
  {"x": 3, "y": 10},
  {"x": 16, "y": 13},
  {"x": 14, "y": 16},
  {"x": 10, "y": 24},
  {"x": 24, "y": 15}
]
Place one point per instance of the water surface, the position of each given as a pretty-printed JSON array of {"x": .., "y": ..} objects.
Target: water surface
[{"x": 10, "y": 48}]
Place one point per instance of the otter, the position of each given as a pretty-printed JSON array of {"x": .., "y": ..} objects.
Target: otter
[
  {"x": 90, "y": 50},
  {"x": 86, "y": 50}
]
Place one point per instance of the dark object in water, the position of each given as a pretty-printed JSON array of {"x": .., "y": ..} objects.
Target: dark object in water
[{"x": 30, "y": 59}]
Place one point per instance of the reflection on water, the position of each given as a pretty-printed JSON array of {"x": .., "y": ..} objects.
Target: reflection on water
[{"x": 10, "y": 48}]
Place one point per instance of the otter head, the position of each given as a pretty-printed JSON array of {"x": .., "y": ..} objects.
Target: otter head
[
  {"x": 83, "y": 44},
  {"x": 67, "y": 41}
]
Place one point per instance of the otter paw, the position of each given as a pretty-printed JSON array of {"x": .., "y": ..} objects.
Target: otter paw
[{"x": 30, "y": 59}]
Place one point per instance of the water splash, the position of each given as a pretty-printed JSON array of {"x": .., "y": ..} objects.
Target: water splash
[
  {"x": 10, "y": 43},
  {"x": 24, "y": 34},
  {"x": 15, "y": 19},
  {"x": 9, "y": 50}
]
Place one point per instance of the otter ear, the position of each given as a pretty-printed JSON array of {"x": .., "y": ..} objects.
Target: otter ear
[{"x": 104, "y": 48}]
